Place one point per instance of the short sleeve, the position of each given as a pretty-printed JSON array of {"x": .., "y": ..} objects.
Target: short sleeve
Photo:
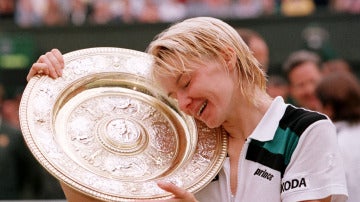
[{"x": 316, "y": 169}]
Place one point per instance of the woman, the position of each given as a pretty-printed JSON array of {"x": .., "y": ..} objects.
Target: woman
[
  {"x": 274, "y": 149},
  {"x": 339, "y": 93}
]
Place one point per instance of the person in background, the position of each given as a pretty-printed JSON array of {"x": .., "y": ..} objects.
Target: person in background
[
  {"x": 101, "y": 13},
  {"x": 345, "y": 6},
  {"x": 10, "y": 108},
  {"x": 339, "y": 94},
  {"x": 16, "y": 162},
  {"x": 215, "y": 8},
  {"x": 257, "y": 45},
  {"x": 276, "y": 152},
  {"x": 79, "y": 12},
  {"x": 54, "y": 14},
  {"x": 335, "y": 65},
  {"x": 21, "y": 175},
  {"x": 276, "y": 84},
  {"x": 149, "y": 12},
  {"x": 172, "y": 10},
  {"x": 292, "y": 8},
  {"x": 7, "y": 9},
  {"x": 302, "y": 70},
  {"x": 247, "y": 9}
]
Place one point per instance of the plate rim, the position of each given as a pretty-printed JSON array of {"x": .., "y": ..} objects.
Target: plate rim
[{"x": 46, "y": 163}]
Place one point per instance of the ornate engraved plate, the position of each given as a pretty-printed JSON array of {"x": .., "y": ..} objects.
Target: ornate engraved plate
[{"x": 104, "y": 129}]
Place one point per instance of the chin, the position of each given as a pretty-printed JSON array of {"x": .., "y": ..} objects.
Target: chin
[{"x": 212, "y": 124}]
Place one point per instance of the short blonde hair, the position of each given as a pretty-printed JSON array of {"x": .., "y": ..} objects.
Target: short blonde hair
[{"x": 199, "y": 38}]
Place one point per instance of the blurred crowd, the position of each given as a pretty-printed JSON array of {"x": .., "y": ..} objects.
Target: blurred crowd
[
  {"x": 27, "y": 13},
  {"x": 308, "y": 79}
]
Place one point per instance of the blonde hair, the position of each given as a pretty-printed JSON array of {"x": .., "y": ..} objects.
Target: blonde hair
[{"x": 199, "y": 39}]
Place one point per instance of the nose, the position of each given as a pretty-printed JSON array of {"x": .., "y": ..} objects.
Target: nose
[
  {"x": 183, "y": 101},
  {"x": 309, "y": 88}
]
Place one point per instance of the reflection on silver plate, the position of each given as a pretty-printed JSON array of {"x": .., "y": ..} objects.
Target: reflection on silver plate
[{"x": 105, "y": 130}]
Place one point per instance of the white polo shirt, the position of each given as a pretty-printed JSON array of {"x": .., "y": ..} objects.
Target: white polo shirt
[
  {"x": 292, "y": 155},
  {"x": 348, "y": 136}
]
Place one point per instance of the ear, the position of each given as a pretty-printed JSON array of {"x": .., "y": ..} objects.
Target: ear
[{"x": 230, "y": 58}]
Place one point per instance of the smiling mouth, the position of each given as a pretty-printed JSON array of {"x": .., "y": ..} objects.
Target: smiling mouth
[{"x": 202, "y": 108}]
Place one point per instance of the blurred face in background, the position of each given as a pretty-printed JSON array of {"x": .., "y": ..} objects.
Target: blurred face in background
[
  {"x": 260, "y": 51},
  {"x": 303, "y": 81}
]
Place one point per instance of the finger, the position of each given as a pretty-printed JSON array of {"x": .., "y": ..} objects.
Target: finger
[
  {"x": 50, "y": 66},
  {"x": 56, "y": 62},
  {"x": 172, "y": 188},
  {"x": 37, "y": 68},
  {"x": 60, "y": 59}
]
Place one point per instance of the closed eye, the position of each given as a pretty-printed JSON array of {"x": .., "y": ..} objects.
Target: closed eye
[
  {"x": 187, "y": 84},
  {"x": 185, "y": 80}
]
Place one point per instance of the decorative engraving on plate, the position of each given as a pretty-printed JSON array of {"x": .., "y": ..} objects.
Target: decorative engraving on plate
[
  {"x": 122, "y": 131},
  {"x": 105, "y": 129}
]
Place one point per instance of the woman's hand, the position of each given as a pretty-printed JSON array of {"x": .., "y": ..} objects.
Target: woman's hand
[
  {"x": 180, "y": 194},
  {"x": 51, "y": 64}
]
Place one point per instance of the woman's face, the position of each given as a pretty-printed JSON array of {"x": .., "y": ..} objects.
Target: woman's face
[
  {"x": 205, "y": 93},
  {"x": 303, "y": 80}
]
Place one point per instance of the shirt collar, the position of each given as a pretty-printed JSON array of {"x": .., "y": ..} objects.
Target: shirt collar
[{"x": 267, "y": 126}]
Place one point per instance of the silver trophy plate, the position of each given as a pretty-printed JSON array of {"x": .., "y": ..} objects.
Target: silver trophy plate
[{"x": 107, "y": 131}]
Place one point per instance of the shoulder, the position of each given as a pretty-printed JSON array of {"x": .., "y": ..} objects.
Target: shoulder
[{"x": 299, "y": 119}]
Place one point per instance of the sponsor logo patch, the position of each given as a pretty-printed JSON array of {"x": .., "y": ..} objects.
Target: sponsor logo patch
[
  {"x": 264, "y": 174},
  {"x": 298, "y": 183}
]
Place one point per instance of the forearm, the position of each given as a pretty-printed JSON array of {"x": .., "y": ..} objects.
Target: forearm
[{"x": 76, "y": 196}]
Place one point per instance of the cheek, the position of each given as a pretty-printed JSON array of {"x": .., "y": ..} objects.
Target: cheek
[
  {"x": 296, "y": 91},
  {"x": 224, "y": 95},
  {"x": 224, "y": 87}
]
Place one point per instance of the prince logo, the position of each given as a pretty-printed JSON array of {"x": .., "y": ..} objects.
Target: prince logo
[{"x": 264, "y": 174}]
